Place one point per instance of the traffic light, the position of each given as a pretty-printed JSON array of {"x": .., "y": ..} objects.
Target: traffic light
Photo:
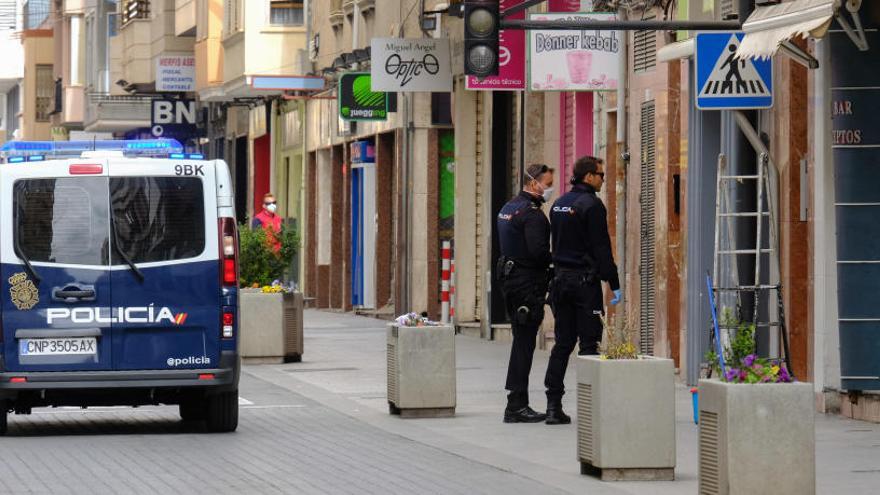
[{"x": 481, "y": 25}]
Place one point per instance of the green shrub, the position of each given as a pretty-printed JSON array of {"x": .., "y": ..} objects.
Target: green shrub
[{"x": 259, "y": 264}]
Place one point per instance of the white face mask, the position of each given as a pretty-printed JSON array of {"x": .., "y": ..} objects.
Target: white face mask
[
  {"x": 547, "y": 191},
  {"x": 271, "y": 208}
]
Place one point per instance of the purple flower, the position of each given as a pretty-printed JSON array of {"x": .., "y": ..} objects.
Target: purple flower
[
  {"x": 784, "y": 377},
  {"x": 731, "y": 374},
  {"x": 749, "y": 360}
]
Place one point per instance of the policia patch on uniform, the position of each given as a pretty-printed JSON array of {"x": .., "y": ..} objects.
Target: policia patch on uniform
[{"x": 23, "y": 292}]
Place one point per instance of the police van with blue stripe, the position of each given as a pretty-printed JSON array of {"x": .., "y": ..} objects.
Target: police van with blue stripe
[{"x": 119, "y": 272}]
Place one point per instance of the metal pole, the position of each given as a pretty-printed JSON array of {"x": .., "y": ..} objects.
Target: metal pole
[
  {"x": 596, "y": 25},
  {"x": 622, "y": 152}
]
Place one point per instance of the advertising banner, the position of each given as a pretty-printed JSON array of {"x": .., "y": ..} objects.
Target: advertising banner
[
  {"x": 574, "y": 60},
  {"x": 419, "y": 64},
  {"x": 357, "y": 101}
]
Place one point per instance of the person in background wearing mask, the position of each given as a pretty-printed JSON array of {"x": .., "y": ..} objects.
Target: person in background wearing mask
[
  {"x": 524, "y": 232},
  {"x": 269, "y": 221},
  {"x": 582, "y": 258}
]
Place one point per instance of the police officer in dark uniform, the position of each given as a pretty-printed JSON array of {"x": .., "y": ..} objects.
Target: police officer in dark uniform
[
  {"x": 582, "y": 258},
  {"x": 524, "y": 232}
]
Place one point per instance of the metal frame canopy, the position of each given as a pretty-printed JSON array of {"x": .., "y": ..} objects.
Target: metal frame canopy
[{"x": 770, "y": 28}]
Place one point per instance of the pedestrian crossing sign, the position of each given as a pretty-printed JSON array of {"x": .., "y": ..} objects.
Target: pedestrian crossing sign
[{"x": 726, "y": 82}]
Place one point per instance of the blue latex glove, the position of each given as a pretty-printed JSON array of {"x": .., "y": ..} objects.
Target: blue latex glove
[{"x": 618, "y": 296}]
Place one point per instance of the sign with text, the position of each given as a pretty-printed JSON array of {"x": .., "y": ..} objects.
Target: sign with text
[
  {"x": 511, "y": 58},
  {"x": 176, "y": 73},
  {"x": 574, "y": 60},
  {"x": 357, "y": 101},
  {"x": 420, "y": 64},
  {"x": 171, "y": 118}
]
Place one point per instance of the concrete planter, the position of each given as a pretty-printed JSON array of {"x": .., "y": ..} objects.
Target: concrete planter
[
  {"x": 626, "y": 418},
  {"x": 757, "y": 438},
  {"x": 421, "y": 371},
  {"x": 271, "y": 327}
]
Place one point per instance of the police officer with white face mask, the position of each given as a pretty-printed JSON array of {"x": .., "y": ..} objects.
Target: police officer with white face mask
[{"x": 524, "y": 234}]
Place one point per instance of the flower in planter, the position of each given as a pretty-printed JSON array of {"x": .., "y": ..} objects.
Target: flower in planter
[
  {"x": 618, "y": 340},
  {"x": 743, "y": 363}
]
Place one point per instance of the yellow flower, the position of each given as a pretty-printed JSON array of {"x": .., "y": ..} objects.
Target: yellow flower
[{"x": 775, "y": 370}]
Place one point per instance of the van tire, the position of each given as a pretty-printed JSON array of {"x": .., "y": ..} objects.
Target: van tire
[
  {"x": 192, "y": 410},
  {"x": 222, "y": 412}
]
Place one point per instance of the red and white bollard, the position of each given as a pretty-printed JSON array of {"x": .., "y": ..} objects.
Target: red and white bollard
[
  {"x": 452, "y": 290},
  {"x": 446, "y": 256}
]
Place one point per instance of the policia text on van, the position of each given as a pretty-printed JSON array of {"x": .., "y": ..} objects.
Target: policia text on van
[{"x": 122, "y": 279}]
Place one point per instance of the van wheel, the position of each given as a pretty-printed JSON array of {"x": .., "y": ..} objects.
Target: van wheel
[
  {"x": 192, "y": 410},
  {"x": 222, "y": 412}
]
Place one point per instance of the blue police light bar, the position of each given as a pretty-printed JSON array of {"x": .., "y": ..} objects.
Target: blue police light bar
[
  {"x": 177, "y": 156},
  {"x": 69, "y": 149}
]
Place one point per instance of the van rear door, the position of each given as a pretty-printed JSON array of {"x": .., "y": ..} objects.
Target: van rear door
[
  {"x": 165, "y": 266},
  {"x": 54, "y": 247}
]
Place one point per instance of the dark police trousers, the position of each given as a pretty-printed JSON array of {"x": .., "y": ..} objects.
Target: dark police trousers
[
  {"x": 577, "y": 306},
  {"x": 523, "y": 287}
]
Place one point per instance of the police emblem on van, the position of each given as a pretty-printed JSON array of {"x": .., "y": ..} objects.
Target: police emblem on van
[
  {"x": 23, "y": 292},
  {"x": 135, "y": 314}
]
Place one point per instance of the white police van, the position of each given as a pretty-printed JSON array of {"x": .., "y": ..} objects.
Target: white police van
[{"x": 118, "y": 279}]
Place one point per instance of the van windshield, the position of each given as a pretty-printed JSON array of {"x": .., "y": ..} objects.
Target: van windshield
[{"x": 158, "y": 218}]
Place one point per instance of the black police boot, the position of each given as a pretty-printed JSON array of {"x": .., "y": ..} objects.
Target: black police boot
[
  {"x": 523, "y": 415},
  {"x": 555, "y": 415}
]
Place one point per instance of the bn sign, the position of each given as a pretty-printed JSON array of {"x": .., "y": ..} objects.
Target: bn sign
[{"x": 174, "y": 118}]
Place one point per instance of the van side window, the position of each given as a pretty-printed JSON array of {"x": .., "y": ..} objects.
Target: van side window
[
  {"x": 63, "y": 220},
  {"x": 158, "y": 218}
]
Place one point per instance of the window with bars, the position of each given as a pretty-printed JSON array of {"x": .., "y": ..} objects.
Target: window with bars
[
  {"x": 45, "y": 93},
  {"x": 644, "y": 50},
  {"x": 233, "y": 18},
  {"x": 134, "y": 9},
  {"x": 286, "y": 13}
]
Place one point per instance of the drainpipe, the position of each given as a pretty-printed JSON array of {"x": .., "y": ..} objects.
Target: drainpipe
[{"x": 623, "y": 156}]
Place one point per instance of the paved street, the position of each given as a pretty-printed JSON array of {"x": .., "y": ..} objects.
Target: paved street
[
  {"x": 322, "y": 426},
  {"x": 285, "y": 444}
]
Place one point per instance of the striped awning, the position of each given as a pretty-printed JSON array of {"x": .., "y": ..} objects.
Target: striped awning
[{"x": 770, "y": 26}]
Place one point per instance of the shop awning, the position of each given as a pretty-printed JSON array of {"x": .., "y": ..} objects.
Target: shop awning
[
  {"x": 770, "y": 26},
  {"x": 773, "y": 26}
]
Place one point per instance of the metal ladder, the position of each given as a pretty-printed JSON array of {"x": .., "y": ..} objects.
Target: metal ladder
[{"x": 726, "y": 285}]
